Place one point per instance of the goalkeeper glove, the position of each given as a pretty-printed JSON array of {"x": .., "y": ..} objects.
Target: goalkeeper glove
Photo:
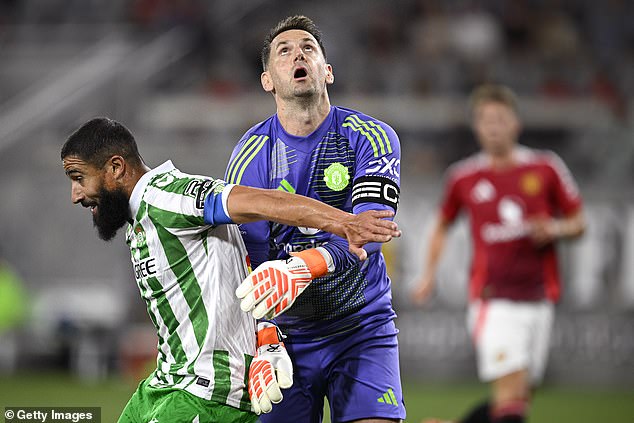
[
  {"x": 273, "y": 286},
  {"x": 270, "y": 370}
]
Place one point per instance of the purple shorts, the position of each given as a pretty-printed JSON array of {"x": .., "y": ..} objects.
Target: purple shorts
[{"x": 358, "y": 371}]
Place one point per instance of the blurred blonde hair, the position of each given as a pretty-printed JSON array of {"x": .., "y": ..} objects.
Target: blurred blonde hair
[{"x": 493, "y": 93}]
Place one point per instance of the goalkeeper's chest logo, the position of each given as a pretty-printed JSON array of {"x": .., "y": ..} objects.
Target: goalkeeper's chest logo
[{"x": 336, "y": 176}]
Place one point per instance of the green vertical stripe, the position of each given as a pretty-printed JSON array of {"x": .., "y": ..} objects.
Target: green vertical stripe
[
  {"x": 170, "y": 322},
  {"x": 222, "y": 376},
  {"x": 245, "y": 401},
  {"x": 253, "y": 154},
  {"x": 181, "y": 266},
  {"x": 165, "y": 311},
  {"x": 237, "y": 158}
]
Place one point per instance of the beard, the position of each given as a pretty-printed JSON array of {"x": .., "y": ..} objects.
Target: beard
[{"x": 113, "y": 212}]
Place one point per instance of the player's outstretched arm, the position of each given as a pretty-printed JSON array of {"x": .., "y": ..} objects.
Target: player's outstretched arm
[
  {"x": 247, "y": 204},
  {"x": 424, "y": 287}
]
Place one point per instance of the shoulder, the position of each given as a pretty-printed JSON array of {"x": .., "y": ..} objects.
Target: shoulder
[
  {"x": 365, "y": 131},
  {"x": 354, "y": 118},
  {"x": 261, "y": 130},
  {"x": 467, "y": 167},
  {"x": 178, "y": 182},
  {"x": 547, "y": 159}
]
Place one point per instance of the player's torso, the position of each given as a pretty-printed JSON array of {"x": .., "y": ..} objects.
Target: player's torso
[
  {"x": 501, "y": 205},
  {"x": 187, "y": 278},
  {"x": 321, "y": 166}
]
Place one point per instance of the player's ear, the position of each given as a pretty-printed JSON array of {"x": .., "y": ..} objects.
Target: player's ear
[
  {"x": 267, "y": 82},
  {"x": 330, "y": 76},
  {"x": 116, "y": 167}
]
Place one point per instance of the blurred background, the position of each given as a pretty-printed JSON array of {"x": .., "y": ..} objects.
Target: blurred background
[{"x": 183, "y": 75}]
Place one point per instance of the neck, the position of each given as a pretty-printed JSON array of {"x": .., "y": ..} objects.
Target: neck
[
  {"x": 301, "y": 117},
  {"x": 135, "y": 173},
  {"x": 502, "y": 160}
]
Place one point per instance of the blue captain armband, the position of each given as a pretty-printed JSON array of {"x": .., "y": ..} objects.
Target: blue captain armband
[{"x": 215, "y": 210}]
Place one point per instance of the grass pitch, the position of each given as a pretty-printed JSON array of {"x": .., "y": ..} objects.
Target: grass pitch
[{"x": 552, "y": 404}]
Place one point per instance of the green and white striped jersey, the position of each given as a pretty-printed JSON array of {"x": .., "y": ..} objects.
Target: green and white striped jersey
[{"x": 187, "y": 272}]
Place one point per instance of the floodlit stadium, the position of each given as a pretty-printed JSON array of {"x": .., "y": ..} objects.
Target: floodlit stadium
[{"x": 184, "y": 77}]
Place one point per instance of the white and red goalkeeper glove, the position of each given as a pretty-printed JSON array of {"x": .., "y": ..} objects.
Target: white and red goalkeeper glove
[
  {"x": 273, "y": 286},
  {"x": 271, "y": 369}
]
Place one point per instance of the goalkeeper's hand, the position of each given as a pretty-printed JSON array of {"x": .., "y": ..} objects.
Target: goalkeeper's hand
[
  {"x": 271, "y": 369},
  {"x": 273, "y": 286}
]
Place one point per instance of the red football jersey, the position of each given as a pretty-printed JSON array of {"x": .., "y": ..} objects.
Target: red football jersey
[{"x": 500, "y": 204}]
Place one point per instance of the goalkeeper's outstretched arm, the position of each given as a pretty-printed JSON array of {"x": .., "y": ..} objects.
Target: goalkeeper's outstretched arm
[{"x": 240, "y": 204}]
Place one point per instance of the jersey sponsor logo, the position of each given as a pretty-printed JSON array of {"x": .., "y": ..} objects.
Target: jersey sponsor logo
[
  {"x": 531, "y": 183},
  {"x": 375, "y": 189},
  {"x": 308, "y": 231},
  {"x": 483, "y": 191},
  {"x": 384, "y": 165},
  {"x": 512, "y": 225},
  {"x": 295, "y": 248},
  {"x": 336, "y": 176},
  {"x": 145, "y": 268}
]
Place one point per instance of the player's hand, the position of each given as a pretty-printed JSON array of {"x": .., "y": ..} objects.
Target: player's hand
[
  {"x": 423, "y": 290},
  {"x": 271, "y": 369},
  {"x": 543, "y": 231},
  {"x": 273, "y": 286},
  {"x": 369, "y": 226}
]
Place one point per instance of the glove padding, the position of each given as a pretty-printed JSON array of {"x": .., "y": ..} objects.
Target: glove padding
[
  {"x": 273, "y": 286},
  {"x": 271, "y": 370}
]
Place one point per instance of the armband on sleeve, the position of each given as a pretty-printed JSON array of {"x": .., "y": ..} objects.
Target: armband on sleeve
[
  {"x": 215, "y": 211},
  {"x": 375, "y": 189}
]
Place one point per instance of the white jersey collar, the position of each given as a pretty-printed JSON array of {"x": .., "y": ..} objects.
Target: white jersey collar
[{"x": 139, "y": 188}]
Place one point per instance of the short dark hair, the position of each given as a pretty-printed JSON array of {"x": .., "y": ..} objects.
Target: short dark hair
[
  {"x": 493, "y": 93},
  {"x": 99, "y": 139},
  {"x": 300, "y": 22}
]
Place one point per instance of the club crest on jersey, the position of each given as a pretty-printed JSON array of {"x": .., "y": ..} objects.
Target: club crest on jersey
[
  {"x": 483, "y": 191},
  {"x": 531, "y": 183},
  {"x": 138, "y": 239},
  {"x": 336, "y": 176}
]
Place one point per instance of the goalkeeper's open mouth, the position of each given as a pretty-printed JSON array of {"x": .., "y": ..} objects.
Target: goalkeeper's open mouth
[{"x": 300, "y": 73}]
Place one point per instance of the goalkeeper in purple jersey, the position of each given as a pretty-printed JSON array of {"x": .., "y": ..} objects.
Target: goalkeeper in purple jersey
[{"x": 335, "y": 310}]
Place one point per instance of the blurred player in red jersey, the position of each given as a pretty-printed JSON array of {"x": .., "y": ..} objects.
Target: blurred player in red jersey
[{"x": 519, "y": 201}]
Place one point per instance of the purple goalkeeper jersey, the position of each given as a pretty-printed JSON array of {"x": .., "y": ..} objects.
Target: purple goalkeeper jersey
[{"x": 351, "y": 162}]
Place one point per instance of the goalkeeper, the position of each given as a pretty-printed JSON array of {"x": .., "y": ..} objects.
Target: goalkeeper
[
  {"x": 188, "y": 259},
  {"x": 340, "y": 331}
]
